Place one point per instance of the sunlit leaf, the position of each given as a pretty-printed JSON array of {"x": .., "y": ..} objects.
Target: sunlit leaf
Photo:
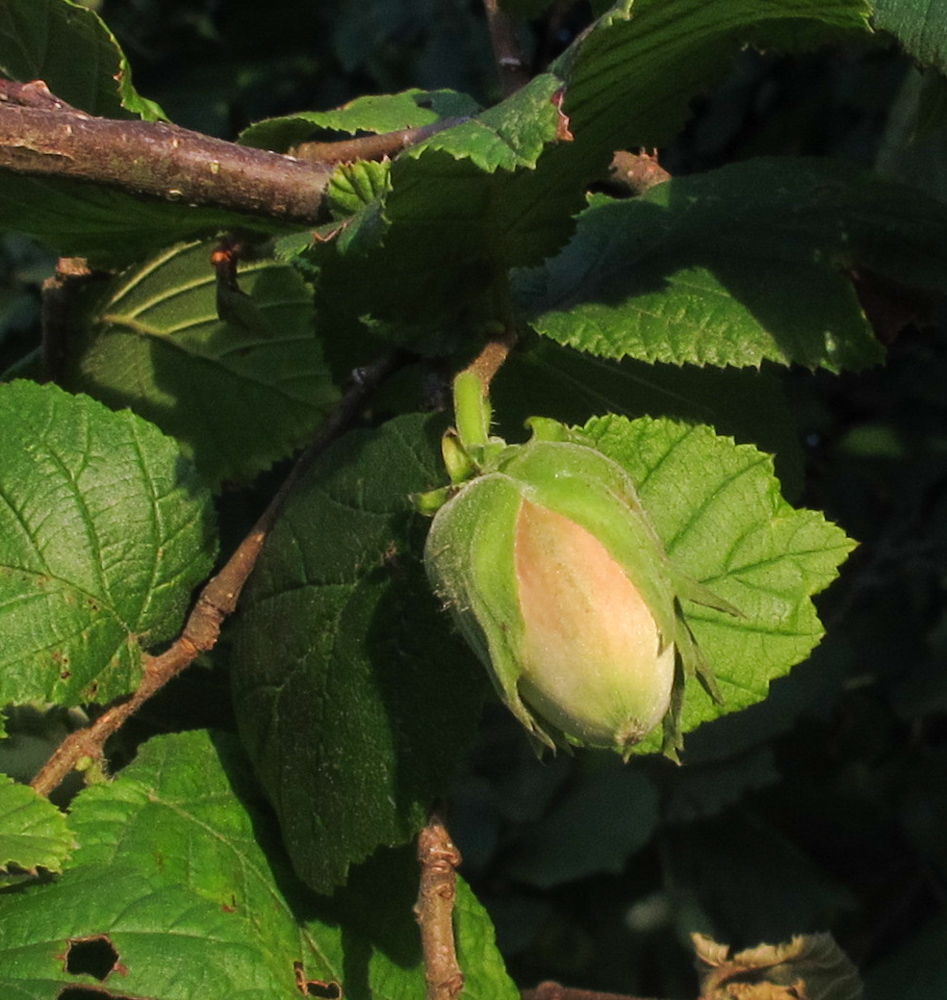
[
  {"x": 104, "y": 532},
  {"x": 33, "y": 832},
  {"x": 180, "y": 891},
  {"x": 752, "y": 262},
  {"x": 717, "y": 507}
]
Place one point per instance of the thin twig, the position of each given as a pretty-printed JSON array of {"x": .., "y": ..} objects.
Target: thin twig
[
  {"x": 488, "y": 362},
  {"x": 216, "y": 601},
  {"x": 371, "y": 147},
  {"x": 59, "y": 300},
  {"x": 511, "y": 60},
  {"x": 491, "y": 357},
  {"x": 34, "y": 94},
  {"x": 636, "y": 172},
  {"x": 434, "y": 910}
]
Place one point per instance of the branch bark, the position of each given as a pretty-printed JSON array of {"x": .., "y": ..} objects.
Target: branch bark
[
  {"x": 216, "y": 601},
  {"x": 635, "y": 173},
  {"x": 371, "y": 147},
  {"x": 160, "y": 160},
  {"x": 43, "y": 136},
  {"x": 490, "y": 359},
  {"x": 60, "y": 296},
  {"x": 434, "y": 909}
]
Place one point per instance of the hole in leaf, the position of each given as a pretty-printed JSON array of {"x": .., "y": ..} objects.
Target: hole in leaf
[
  {"x": 315, "y": 987},
  {"x": 326, "y": 991},
  {"x": 91, "y": 956}
]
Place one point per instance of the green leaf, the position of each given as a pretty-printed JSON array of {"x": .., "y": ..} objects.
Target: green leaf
[
  {"x": 376, "y": 113},
  {"x": 240, "y": 393},
  {"x": 448, "y": 213},
  {"x": 781, "y": 890},
  {"x": 104, "y": 531},
  {"x": 180, "y": 872},
  {"x": 367, "y": 701},
  {"x": 667, "y": 276},
  {"x": 485, "y": 975},
  {"x": 500, "y": 189},
  {"x": 706, "y": 789},
  {"x": 84, "y": 220},
  {"x": 33, "y": 832},
  {"x": 911, "y": 145},
  {"x": 565, "y": 845},
  {"x": 166, "y": 942},
  {"x": 510, "y": 135},
  {"x": 618, "y": 92},
  {"x": 69, "y": 48},
  {"x": 354, "y": 186},
  {"x": 629, "y": 82},
  {"x": 617, "y": 74},
  {"x": 919, "y": 25},
  {"x": 717, "y": 507},
  {"x": 748, "y": 404},
  {"x": 172, "y": 820}
]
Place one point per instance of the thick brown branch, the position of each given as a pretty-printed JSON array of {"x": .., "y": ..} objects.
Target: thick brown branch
[
  {"x": 43, "y": 136},
  {"x": 216, "y": 601},
  {"x": 164, "y": 161},
  {"x": 435, "y": 911}
]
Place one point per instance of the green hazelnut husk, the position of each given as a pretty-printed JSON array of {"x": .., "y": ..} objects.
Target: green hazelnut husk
[{"x": 555, "y": 576}]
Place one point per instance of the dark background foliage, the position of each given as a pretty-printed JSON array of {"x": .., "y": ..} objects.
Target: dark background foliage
[{"x": 822, "y": 808}]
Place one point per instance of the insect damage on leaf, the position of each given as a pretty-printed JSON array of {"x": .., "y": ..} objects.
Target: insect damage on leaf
[
  {"x": 92, "y": 956},
  {"x": 315, "y": 987}
]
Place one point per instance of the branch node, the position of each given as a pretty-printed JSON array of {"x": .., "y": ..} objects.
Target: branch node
[{"x": 439, "y": 858}]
